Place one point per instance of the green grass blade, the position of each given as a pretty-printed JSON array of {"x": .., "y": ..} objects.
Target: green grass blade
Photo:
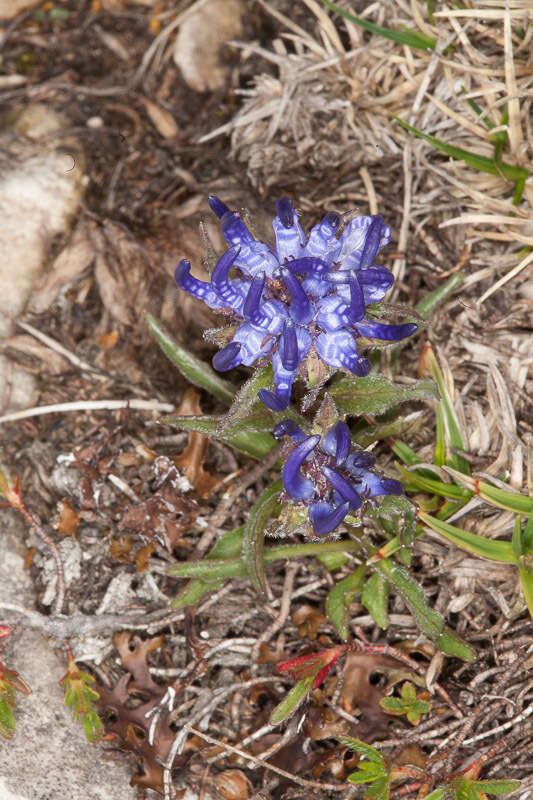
[
  {"x": 196, "y": 371},
  {"x": 483, "y": 164},
  {"x": 526, "y": 579},
  {"x": 414, "y": 39},
  {"x": 453, "y": 429},
  {"x": 406, "y": 453},
  {"x": 439, "y": 457},
  {"x": 253, "y": 542},
  {"x": 492, "y": 549},
  {"x": 432, "y": 301},
  {"x": 417, "y": 482},
  {"x": 510, "y": 501}
]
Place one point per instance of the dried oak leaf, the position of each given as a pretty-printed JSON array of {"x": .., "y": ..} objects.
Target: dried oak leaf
[
  {"x": 167, "y": 514},
  {"x": 360, "y": 692},
  {"x": 191, "y": 460},
  {"x": 68, "y": 520},
  {"x": 125, "y": 707}
]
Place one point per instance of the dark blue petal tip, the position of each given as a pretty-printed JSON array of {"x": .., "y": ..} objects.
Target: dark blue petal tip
[
  {"x": 343, "y": 487},
  {"x": 273, "y": 401},
  {"x": 296, "y": 485},
  {"x": 333, "y": 220},
  {"x": 217, "y": 206},
  {"x": 325, "y": 517},
  {"x": 285, "y": 210},
  {"x": 227, "y": 358},
  {"x": 289, "y": 428}
]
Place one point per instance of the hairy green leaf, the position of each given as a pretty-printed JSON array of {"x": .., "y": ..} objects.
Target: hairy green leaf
[
  {"x": 374, "y": 394},
  {"x": 256, "y": 445},
  {"x": 340, "y": 598},
  {"x": 253, "y": 544},
  {"x": 290, "y": 703},
  {"x": 196, "y": 371},
  {"x": 375, "y": 598}
]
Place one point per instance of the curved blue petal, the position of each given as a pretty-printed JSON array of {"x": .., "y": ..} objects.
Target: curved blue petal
[
  {"x": 217, "y": 206},
  {"x": 359, "y": 462},
  {"x": 314, "y": 266},
  {"x": 301, "y": 309},
  {"x": 325, "y": 517},
  {"x": 337, "y": 442},
  {"x": 332, "y": 313},
  {"x": 372, "y": 242},
  {"x": 252, "y": 305},
  {"x": 375, "y": 282},
  {"x": 356, "y": 310},
  {"x": 254, "y": 256},
  {"x": 343, "y": 487},
  {"x": 255, "y": 343},
  {"x": 387, "y": 333},
  {"x": 219, "y": 279},
  {"x": 288, "y": 347},
  {"x": 200, "y": 289},
  {"x": 339, "y": 349},
  {"x": 227, "y": 358},
  {"x": 372, "y": 485},
  {"x": 296, "y": 485},
  {"x": 322, "y": 242},
  {"x": 353, "y": 240},
  {"x": 289, "y": 428},
  {"x": 272, "y": 401}
]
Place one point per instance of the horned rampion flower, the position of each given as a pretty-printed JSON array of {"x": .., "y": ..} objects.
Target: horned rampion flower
[
  {"x": 327, "y": 478},
  {"x": 299, "y": 296}
]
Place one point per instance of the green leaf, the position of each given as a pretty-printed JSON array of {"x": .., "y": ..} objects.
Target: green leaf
[
  {"x": 432, "y": 301},
  {"x": 510, "y": 501},
  {"x": 526, "y": 581},
  {"x": 493, "y": 549},
  {"x": 375, "y": 598},
  {"x": 7, "y": 720},
  {"x": 340, "y": 598},
  {"x": 228, "y": 546},
  {"x": 208, "y": 569},
  {"x": 408, "y": 704},
  {"x": 428, "y": 620},
  {"x": 374, "y": 394},
  {"x": 401, "y": 426},
  {"x": 451, "y": 421},
  {"x": 253, "y": 542},
  {"x": 439, "y": 457},
  {"x": 497, "y": 787},
  {"x": 295, "y": 697},
  {"x": 396, "y": 515},
  {"x": 92, "y": 726},
  {"x": 364, "y": 750},
  {"x": 333, "y": 561},
  {"x": 246, "y": 397},
  {"x": 256, "y": 445},
  {"x": 379, "y": 790},
  {"x": 415, "y": 39},
  {"x": 481, "y": 163},
  {"x": 438, "y": 794},
  {"x": 416, "y": 481},
  {"x": 406, "y": 454},
  {"x": 196, "y": 371},
  {"x": 367, "y": 774}
]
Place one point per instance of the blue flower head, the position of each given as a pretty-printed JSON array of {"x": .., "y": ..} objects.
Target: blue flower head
[
  {"x": 297, "y": 296},
  {"x": 324, "y": 475}
]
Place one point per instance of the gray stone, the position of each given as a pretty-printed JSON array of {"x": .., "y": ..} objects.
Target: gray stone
[
  {"x": 202, "y": 34},
  {"x": 49, "y": 757}
]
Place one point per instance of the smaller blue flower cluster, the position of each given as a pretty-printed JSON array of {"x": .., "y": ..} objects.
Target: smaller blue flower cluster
[
  {"x": 327, "y": 477},
  {"x": 303, "y": 293}
]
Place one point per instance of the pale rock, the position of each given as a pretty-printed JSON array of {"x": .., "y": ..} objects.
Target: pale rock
[
  {"x": 9, "y": 9},
  {"x": 41, "y": 185},
  {"x": 48, "y": 757},
  {"x": 202, "y": 34}
]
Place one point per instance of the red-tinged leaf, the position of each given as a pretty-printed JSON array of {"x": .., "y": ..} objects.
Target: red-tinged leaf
[{"x": 324, "y": 671}]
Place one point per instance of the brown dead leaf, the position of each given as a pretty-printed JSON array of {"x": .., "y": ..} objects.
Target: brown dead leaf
[
  {"x": 33, "y": 356},
  {"x": 107, "y": 341},
  {"x": 120, "y": 549},
  {"x": 191, "y": 460},
  {"x": 68, "y": 266},
  {"x": 68, "y": 521},
  {"x": 142, "y": 555},
  {"x": 232, "y": 784},
  {"x": 128, "y": 460},
  {"x": 360, "y": 691},
  {"x": 161, "y": 119},
  {"x": 308, "y": 620}
]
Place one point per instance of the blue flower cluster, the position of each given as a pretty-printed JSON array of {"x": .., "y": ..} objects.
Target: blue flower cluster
[
  {"x": 327, "y": 477},
  {"x": 302, "y": 293}
]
